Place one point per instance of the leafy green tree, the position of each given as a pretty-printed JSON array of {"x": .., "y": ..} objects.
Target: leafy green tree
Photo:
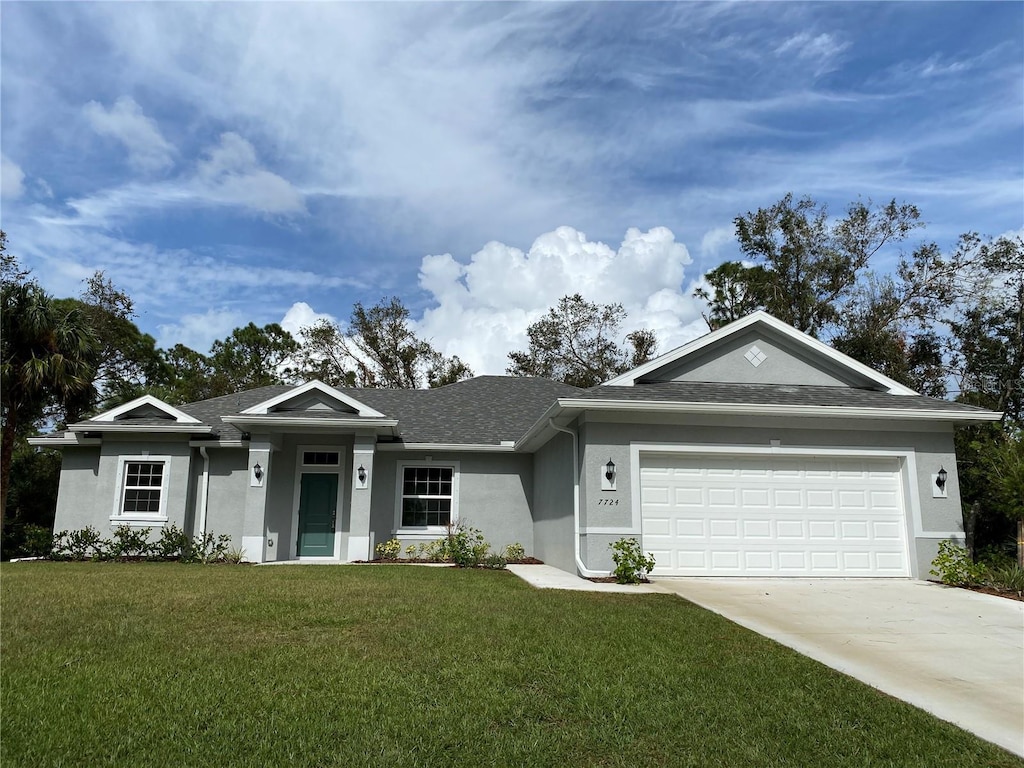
[
  {"x": 736, "y": 290},
  {"x": 129, "y": 363},
  {"x": 575, "y": 342},
  {"x": 254, "y": 357},
  {"x": 48, "y": 358},
  {"x": 1006, "y": 473},
  {"x": 804, "y": 267},
  {"x": 379, "y": 348}
]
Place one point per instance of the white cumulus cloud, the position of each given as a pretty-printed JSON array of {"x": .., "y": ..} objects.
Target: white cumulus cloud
[
  {"x": 300, "y": 315},
  {"x": 147, "y": 149},
  {"x": 200, "y": 330},
  {"x": 484, "y": 306},
  {"x": 12, "y": 179}
]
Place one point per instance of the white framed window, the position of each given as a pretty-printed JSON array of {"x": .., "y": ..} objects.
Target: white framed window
[
  {"x": 321, "y": 458},
  {"x": 427, "y": 495},
  {"x": 141, "y": 490}
]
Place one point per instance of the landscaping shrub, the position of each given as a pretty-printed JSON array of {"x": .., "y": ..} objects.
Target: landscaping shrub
[
  {"x": 515, "y": 552},
  {"x": 953, "y": 566},
  {"x": 465, "y": 546},
  {"x": 84, "y": 544},
  {"x": 389, "y": 550},
  {"x": 631, "y": 567},
  {"x": 129, "y": 542},
  {"x": 26, "y": 540}
]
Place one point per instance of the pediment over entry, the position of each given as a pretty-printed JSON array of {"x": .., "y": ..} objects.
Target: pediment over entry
[{"x": 314, "y": 398}]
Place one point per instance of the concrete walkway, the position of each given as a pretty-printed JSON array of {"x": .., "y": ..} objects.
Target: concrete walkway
[
  {"x": 549, "y": 577},
  {"x": 954, "y": 653}
]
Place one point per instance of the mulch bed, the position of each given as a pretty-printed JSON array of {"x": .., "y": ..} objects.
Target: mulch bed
[
  {"x": 992, "y": 591},
  {"x": 611, "y": 580}
]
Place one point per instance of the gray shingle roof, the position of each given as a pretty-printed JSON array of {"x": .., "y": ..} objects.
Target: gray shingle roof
[
  {"x": 773, "y": 394},
  {"x": 492, "y": 409},
  {"x": 484, "y": 410}
]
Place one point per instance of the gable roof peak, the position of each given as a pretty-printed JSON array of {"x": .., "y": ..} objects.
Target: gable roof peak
[{"x": 760, "y": 317}]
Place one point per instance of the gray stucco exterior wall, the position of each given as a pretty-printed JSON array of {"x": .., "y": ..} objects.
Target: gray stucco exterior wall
[
  {"x": 553, "y": 489},
  {"x": 783, "y": 363},
  {"x": 606, "y": 516},
  {"x": 495, "y": 495},
  {"x": 88, "y": 494}
]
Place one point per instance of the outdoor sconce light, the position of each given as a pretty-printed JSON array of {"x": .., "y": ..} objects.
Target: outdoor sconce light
[
  {"x": 940, "y": 479},
  {"x": 609, "y": 471},
  {"x": 257, "y": 472},
  {"x": 361, "y": 474}
]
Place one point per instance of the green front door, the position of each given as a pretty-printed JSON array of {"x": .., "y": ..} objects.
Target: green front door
[{"x": 318, "y": 501}]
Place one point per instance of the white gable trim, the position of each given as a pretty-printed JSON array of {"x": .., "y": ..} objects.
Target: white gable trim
[
  {"x": 628, "y": 379},
  {"x": 262, "y": 409},
  {"x": 179, "y": 416}
]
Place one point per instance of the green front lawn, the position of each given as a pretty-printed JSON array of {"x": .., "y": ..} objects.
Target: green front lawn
[{"x": 166, "y": 664}]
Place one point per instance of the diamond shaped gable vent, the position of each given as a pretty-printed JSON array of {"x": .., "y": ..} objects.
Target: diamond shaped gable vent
[{"x": 755, "y": 356}]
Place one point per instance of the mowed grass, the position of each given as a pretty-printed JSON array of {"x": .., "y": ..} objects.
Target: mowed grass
[{"x": 167, "y": 665}]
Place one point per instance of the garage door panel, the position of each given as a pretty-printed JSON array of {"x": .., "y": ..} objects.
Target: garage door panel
[{"x": 773, "y": 515}]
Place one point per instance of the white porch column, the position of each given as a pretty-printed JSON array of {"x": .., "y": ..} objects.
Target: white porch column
[
  {"x": 254, "y": 522},
  {"x": 360, "y": 542}
]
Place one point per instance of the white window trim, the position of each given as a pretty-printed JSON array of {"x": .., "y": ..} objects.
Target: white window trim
[
  {"x": 141, "y": 519},
  {"x": 428, "y": 531}
]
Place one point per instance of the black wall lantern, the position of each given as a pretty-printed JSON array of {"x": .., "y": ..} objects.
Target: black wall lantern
[
  {"x": 940, "y": 478},
  {"x": 361, "y": 473},
  {"x": 609, "y": 470},
  {"x": 257, "y": 472}
]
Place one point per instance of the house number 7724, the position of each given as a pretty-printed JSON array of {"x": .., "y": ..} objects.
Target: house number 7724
[{"x": 607, "y": 502}]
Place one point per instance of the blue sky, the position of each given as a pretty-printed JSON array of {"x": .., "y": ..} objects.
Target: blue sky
[{"x": 237, "y": 162}]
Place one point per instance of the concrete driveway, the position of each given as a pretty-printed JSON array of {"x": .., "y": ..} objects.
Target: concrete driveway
[{"x": 954, "y": 653}]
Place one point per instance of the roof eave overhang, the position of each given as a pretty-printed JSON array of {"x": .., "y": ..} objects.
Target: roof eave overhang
[
  {"x": 566, "y": 409},
  {"x": 177, "y": 429},
  {"x": 453, "y": 447},
  {"x": 290, "y": 422},
  {"x": 63, "y": 441}
]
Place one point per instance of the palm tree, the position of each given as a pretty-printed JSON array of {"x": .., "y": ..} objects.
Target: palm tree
[{"x": 47, "y": 359}]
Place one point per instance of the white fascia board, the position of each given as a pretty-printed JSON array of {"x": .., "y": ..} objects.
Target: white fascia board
[
  {"x": 361, "y": 408},
  {"x": 181, "y": 429},
  {"x": 179, "y": 416},
  {"x": 542, "y": 426},
  {"x": 761, "y": 409},
  {"x": 218, "y": 444},
  {"x": 629, "y": 378},
  {"x": 63, "y": 441},
  {"x": 453, "y": 447},
  {"x": 302, "y": 421}
]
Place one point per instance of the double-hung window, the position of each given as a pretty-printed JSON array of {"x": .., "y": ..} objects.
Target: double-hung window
[
  {"x": 142, "y": 490},
  {"x": 428, "y": 495}
]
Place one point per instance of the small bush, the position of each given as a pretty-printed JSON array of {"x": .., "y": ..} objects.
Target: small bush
[
  {"x": 953, "y": 566},
  {"x": 494, "y": 561},
  {"x": 173, "y": 544},
  {"x": 465, "y": 546},
  {"x": 129, "y": 542},
  {"x": 631, "y": 567},
  {"x": 410, "y": 551},
  {"x": 1006, "y": 578},
  {"x": 515, "y": 552},
  {"x": 389, "y": 550},
  {"x": 84, "y": 544},
  {"x": 234, "y": 556}
]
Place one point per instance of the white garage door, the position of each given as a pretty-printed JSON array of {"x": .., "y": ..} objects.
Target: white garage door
[{"x": 726, "y": 515}]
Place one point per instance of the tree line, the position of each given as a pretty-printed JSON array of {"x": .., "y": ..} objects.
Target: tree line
[{"x": 943, "y": 323}]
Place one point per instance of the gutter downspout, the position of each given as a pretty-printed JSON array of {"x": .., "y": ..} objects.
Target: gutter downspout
[
  {"x": 583, "y": 570},
  {"x": 204, "y": 495}
]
